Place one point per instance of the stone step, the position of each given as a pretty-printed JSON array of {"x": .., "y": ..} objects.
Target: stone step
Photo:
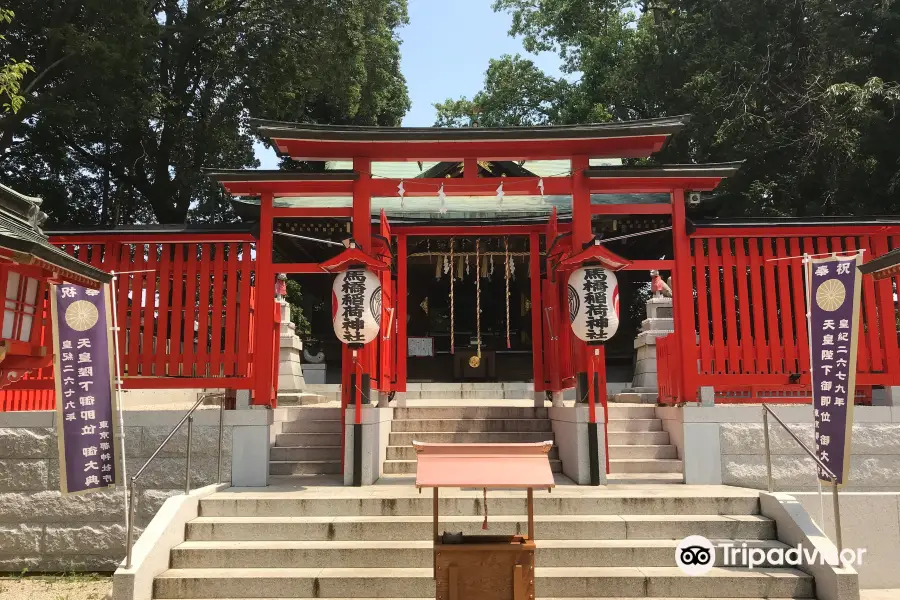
[
  {"x": 317, "y": 413},
  {"x": 408, "y": 453},
  {"x": 305, "y": 453},
  {"x": 470, "y": 412},
  {"x": 312, "y": 426},
  {"x": 636, "y": 397},
  {"x": 645, "y": 478},
  {"x": 642, "y": 438},
  {"x": 294, "y": 399},
  {"x": 308, "y": 439},
  {"x": 274, "y": 503},
  {"x": 561, "y": 582},
  {"x": 408, "y": 467},
  {"x": 632, "y": 412},
  {"x": 619, "y": 425},
  {"x": 304, "y": 467},
  {"x": 470, "y": 386},
  {"x": 416, "y": 553},
  {"x": 670, "y": 582},
  {"x": 642, "y": 451},
  {"x": 470, "y": 425},
  {"x": 548, "y": 527},
  {"x": 474, "y": 437},
  {"x": 610, "y": 598},
  {"x": 484, "y": 394},
  {"x": 645, "y": 465}
]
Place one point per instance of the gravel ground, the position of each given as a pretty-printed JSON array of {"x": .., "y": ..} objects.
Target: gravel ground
[{"x": 75, "y": 587}]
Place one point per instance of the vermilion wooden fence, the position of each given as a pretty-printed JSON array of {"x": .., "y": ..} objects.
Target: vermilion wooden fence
[
  {"x": 750, "y": 314},
  {"x": 186, "y": 321}
]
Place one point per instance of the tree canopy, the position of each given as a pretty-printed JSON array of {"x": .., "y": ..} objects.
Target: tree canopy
[
  {"x": 129, "y": 101},
  {"x": 805, "y": 92}
]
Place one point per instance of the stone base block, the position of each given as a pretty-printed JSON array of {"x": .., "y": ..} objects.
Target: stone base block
[
  {"x": 658, "y": 325},
  {"x": 645, "y": 380},
  {"x": 313, "y": 374},
  {"x": 376, "y": 429}
]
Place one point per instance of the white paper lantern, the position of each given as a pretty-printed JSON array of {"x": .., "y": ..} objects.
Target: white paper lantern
[
  {"x": 594, "y": 303},
  {"x": 356, "y": 306}
]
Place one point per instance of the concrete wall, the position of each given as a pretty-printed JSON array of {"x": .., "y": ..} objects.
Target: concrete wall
[
  {"x": 40, "y": 530},
  {"x": 725, "y": 444},
  {"x": 376, "y": 429},
  {"x": 869, "y": 520},
  {"x": 570, "y": 432}
]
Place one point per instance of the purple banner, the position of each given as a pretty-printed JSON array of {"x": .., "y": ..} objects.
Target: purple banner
[
  {"x": 834, "y": 288},
  {"x": 85, "y": 404}
]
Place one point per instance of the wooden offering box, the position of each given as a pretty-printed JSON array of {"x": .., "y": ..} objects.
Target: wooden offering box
[{"x": 484, "y": 567}]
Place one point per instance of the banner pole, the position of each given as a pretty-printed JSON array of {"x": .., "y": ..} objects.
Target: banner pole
[
  {"x": 807, "y": 276},
  {"x": 119, "y": 403}
]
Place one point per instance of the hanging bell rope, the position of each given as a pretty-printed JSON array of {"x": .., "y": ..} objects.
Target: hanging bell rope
[
  {"x": 478, "y": 308},
  {"x": 475, "y": 361},
  {"x": 485, "y": 525},
  {"x": 506, "y": 274},
  {"x": 452, "y": 305}
]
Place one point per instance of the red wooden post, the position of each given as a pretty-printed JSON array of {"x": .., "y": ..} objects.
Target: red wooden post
[
  {"x": 683, "y": 299},
  {"x": 537, "y": 340},
  {"x": 582, "y": 233},
  {"x": 134, "y": 325},
  {"x": 799, "y": 286},
  {"x": 148, "y": 318},
  {"x": 362, "y": 233},
  {"x": 190, "y": 310},
  {"x": 265, "y": 305},
  {"x": 775, "y": 348},
  {"x": 887, "y": 316},
  {"x": 401, "y": 312},
  {"x": 201, "y": 359},
  {"x": 177, "y": 314},
  {"x": 162, "y": 325},
  {"x": 243, "y": 343},
  {"x": 231, "y": 310},
  {"x": 788, "y": 339},
  {"x": 215, "y": 319},
  {"x": 703, "y": 328}
]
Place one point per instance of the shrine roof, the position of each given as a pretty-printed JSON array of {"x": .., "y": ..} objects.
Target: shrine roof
[
  {"x": 817, "y": 221},
  {"x": 180, "y": 228},
  {"x": 622, "y": 139},
  {"x": 712, "y": 170},
  {"x": 20, "y": 233},
  {"x": 311, "y": 131},
  {"x": 484, "y": 465},
  {"x": 231, "y": 175},
  {"x": 882, "y": 266}
]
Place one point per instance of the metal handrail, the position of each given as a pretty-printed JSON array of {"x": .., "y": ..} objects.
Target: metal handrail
[
  {"x": 828, "y": 472},
  {"x": 132, "y": 484},
  {"x": 549, "y": 323}
]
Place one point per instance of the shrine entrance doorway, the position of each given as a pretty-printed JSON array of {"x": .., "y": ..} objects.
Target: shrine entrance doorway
[{"x": 469, "y": 303}]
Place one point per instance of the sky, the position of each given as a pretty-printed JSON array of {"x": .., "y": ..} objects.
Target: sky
[{"x": 445, "y": 52}]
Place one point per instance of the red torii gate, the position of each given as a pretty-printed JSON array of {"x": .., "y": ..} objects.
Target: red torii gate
[{"x": 577, "y": 144}]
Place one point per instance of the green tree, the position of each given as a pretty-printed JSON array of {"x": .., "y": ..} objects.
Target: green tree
[
  {"x": 131, "y": 100},
  {"x": 12, "y": 72},
  {"x": 516, "y": 93},
  {"x": 805, "y": 92}
]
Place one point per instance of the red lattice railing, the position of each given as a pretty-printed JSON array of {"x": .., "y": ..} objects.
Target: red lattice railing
[{"x": 185, "y": 313}]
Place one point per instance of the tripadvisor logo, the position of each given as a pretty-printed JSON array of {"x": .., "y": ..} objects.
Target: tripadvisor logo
[{"x": 696, "y": 555}]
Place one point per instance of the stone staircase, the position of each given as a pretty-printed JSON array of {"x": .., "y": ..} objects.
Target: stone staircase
[
  {"x": 320, "y": 542},
  {"x": 463, "y": 424},
  {"x": 639, "y": 448},
  {"x": 309, "y": 443}
]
